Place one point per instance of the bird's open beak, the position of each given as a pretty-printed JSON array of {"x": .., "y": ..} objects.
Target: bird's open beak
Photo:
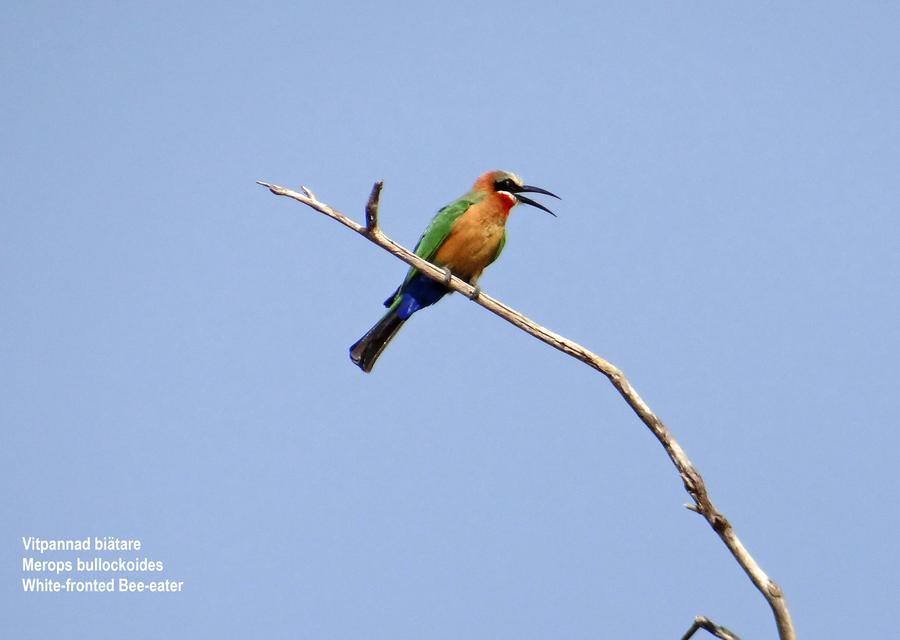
[{"x": 533, "y": 203}]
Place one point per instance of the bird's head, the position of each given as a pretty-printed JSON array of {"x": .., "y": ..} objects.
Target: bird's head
[{"x": 511, "y": 186}]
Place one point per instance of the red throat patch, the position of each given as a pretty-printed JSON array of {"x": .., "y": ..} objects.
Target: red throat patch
[{"x": 508, "y": 199}]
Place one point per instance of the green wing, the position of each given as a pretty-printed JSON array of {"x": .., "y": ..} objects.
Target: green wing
[
  {"x": 500, "y": 247},
  {"x": 437, "y": 231},
  {"x": 439, "y": 228}
]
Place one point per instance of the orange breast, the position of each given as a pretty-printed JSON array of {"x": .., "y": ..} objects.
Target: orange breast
[{"x": 473, "y": 241}]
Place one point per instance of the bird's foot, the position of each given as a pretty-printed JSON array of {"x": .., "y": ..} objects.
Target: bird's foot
[
  {"x": 475, "y": 292},
  {"x": 447, "y": 275}
]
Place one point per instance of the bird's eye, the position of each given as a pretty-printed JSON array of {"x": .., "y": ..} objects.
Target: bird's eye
[{"x": 505, "y": 185}]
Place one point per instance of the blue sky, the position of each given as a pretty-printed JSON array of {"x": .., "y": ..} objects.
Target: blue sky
[{"x": 174, "y": 337}]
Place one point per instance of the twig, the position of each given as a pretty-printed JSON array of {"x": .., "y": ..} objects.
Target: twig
[
  {"x": 372, "y": 207},
  {"x": 702, "y": 622},
  {"x": 693, "y": 482}
]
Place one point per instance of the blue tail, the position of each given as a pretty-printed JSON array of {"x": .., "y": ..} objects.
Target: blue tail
[
  {"x": 365, "y": 351},
  {"x": 418, "y": 293}
]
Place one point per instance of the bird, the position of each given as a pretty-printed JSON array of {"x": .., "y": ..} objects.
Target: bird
[{"x": 463, "y": 238}]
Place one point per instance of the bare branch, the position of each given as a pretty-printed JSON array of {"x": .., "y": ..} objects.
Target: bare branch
[
  {"x": 693, "y": 482},
  {"x": 702, "y": 622}
]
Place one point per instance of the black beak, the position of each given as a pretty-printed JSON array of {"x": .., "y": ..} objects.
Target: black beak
[{"x": 529, "y": 201}]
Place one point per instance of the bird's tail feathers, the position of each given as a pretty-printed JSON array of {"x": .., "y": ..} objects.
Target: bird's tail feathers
[{"x": 365, "y": 351}]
